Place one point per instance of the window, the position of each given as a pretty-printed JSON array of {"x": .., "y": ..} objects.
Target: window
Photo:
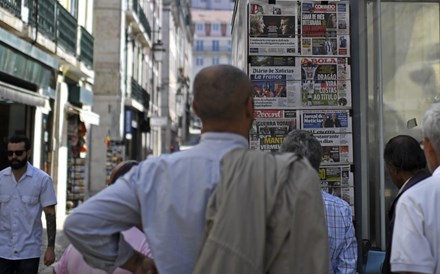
[
  {"x": 200, "y": 27},
  {"x": 409, "y": 81},
  {"x": 199, "y": 45},
  {"x": 229, "y": 44},
  {"x": 199, "y": 61},
  {"x": 215, "y": 45},
  {"x": 216, "y": 28},
  {"x": 215, "y": 60}
]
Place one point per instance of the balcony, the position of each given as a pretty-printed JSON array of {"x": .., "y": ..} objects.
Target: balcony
[
  {"x": 13, "y": 7},
  {"x": 142, "y": 25},
  {"x": 55, "y": 24},
  {"x": 43, "y": 16},
  {"x": 67, "y": 31},
  {"x": 86, "y": 47},
  {"x": 140, "y": 94}
]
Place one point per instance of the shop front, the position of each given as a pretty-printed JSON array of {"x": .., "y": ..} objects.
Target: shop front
[
  {"x": 27, "y": 80},
  {"x": 374, "y": 65}
]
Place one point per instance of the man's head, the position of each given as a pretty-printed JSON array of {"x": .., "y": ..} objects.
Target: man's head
[
  {"x": 303, "y": 143},
  {"x": 431, "y": 136},
  {"x": 19, "y": 151},
  {"x": 223, "y": 99},
  {"x": 403, "y": 158},
  {"x": 285, "y": 25},
  {"x": 120, "y": 169}
]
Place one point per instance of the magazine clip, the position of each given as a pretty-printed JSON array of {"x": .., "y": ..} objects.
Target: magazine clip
[{"x": 273, "y": 2}]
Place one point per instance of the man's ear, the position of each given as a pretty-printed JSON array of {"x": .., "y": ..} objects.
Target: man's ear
[
  {"x": 194, "y": 107},
  {"x": 250, "y": 107}
]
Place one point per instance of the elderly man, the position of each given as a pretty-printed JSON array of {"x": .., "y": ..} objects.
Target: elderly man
[
  {"x": 342, "y": 241},
  {"x": 416, "y": 237},
  {"x": 168, "y": 194}
]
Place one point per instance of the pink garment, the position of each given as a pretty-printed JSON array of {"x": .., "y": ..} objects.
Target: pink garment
[{"x": 72, "y": 261}]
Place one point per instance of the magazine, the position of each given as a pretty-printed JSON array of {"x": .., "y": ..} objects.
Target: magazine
[
  {"x": 325, "y": 82},
  {"x": 271, "y": 127},
  {"x": 325, "y": 28},
  {"x": 338, "y": 181},
  {"x": 326, "y": 121},
  {"x": 273, "y": 28}
]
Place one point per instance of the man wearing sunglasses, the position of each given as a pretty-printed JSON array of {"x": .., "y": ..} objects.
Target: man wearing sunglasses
[{"x": 25, "y": 191}]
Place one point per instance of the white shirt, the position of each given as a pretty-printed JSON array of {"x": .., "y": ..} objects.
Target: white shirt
[
  {"x": 21, "y": 205},
  {"x": 416, "y": 237},
  {"x": 168, "y": 194}
]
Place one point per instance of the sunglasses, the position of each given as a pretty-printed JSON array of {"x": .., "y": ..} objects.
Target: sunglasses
[{"x": 16, "y": 152}]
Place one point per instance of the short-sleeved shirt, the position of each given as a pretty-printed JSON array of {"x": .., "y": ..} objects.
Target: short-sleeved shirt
[
  {"x": 416, "y": 237},
  {"x": 21, "y": 205}
]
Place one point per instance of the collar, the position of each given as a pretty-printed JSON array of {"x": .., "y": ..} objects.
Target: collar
[
  {"x": 223, "y": 136},
  {"x": 404, "y": 184}
]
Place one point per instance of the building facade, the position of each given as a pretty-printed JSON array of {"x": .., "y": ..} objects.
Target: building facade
[
  {"x": 212, "y": 43},
  {"x": 46, "y": 89},
  {"x": 213, "y": 4},
  {"x": 127, "y": 78},
  {"x": 173, "y": 102}
]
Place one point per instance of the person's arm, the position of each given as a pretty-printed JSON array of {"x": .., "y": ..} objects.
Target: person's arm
[
  {"x": 51, "y": 227},
  {"x": 140, "y": 264},
  {"x": 94, "y": 227}
]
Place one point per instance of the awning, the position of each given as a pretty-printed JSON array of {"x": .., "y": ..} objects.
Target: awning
[
  {"x": 84, "y": 115},
  {"x": 23, "y": 96}
]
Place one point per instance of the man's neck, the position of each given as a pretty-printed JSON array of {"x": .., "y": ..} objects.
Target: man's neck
[{"x": 18, "y": 173}]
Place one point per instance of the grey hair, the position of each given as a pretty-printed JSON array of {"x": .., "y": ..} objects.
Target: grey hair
[
  {"x": 304, "y": 144},
  {"x": 431, "y": 126}
]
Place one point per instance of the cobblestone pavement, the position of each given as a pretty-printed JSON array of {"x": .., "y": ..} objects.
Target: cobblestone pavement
[{"x": 61, "y": 243}]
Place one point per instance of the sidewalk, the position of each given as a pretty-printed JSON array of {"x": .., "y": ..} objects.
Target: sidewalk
[{"x": 61, "y": 242}]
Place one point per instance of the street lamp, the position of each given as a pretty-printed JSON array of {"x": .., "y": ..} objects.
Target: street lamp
[{"x": 158, "y": 51}]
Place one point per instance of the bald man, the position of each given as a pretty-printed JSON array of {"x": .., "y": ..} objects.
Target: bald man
[
  {"x": 168, "y": 194},
  {"x": 416, "y": 236}
]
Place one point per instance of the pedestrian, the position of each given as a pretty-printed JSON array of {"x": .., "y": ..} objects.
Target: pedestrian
[
  {"x": 25, "y": 191},
  {"x": 341, "y": 233},
  {"x": 416, "y": 235},
  {"x": 406, "y": 165},
  {"x": 168, "y": 193},
  {"x": 72, "y": 261}
]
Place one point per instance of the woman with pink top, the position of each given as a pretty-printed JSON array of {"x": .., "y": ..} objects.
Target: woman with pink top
[{"x": 72, "y": 261}]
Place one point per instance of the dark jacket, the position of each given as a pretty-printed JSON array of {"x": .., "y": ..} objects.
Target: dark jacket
[{"x": 420, "y": 176}]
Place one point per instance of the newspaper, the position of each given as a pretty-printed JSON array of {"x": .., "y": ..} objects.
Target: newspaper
[
  {"x": 325, "y": 28},
  {"x": 273, "y": 28},
  {"x": 337, "y": 149},
  {"x": 325, "y": 82},
  {"x": 338, "y": 181},
  {"x": 271, "y": 127},
  {"x": 274, "y": 87},
  {"x": 326, "y": 121}
]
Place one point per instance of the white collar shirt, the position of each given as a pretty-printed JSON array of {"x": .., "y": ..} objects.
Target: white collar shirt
[{"x": 21, "y": 205}]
